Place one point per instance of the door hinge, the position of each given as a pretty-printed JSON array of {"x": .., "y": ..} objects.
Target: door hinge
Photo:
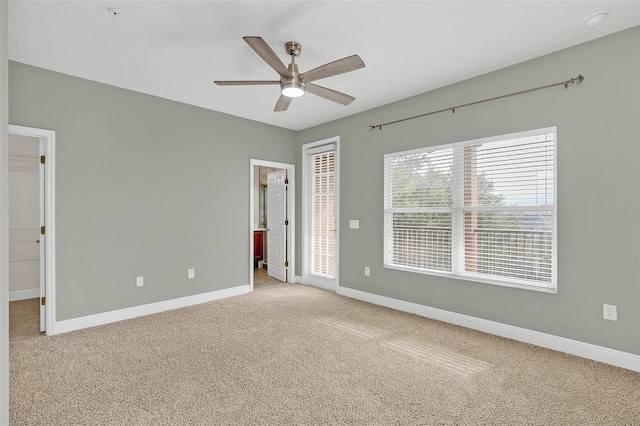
[
  {"x": 43, "y": 300},
  {"x": 42, "y": 230},
  {"x": 286, "y": 263},
  {"x": 43, "y": 159},
  {"x": 286, "y": 223},
  {"x": 286, "y": 181}
]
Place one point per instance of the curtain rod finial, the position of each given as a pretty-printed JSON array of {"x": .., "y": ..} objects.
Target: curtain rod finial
[{"x": 579, "y": 79}]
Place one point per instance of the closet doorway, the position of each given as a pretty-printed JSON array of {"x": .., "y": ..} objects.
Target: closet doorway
[{"x": 31, "y": 220}]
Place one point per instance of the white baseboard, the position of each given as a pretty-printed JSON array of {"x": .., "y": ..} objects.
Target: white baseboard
[
  {"x": 549, "y": 341},
  {"x": 151, "y": 308},
  {"x": 24, "y": 294},
  {"x": 316, "y": 283},
  {"x": 322, "y": 286}
]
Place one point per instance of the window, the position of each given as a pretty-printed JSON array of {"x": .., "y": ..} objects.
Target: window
[{"x": 483, "y": 210}]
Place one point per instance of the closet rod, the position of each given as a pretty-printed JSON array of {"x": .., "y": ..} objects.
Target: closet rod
[{"x": 565, "y": 83}]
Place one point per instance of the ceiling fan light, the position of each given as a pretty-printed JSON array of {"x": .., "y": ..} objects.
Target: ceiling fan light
[{"x": 292, "y": 89}]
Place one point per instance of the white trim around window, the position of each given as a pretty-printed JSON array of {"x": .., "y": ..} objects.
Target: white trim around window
[{"x": 482, "y": 210}]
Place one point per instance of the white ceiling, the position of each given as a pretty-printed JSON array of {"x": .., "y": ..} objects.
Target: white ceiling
[{"x": 175, "y": 49}]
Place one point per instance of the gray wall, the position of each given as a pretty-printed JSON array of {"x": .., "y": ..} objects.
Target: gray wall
[
  {"x": 598, "y": 170},
  {"x": 144, "y": 186}
]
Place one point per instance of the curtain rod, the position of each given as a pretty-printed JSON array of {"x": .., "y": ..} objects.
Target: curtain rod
[{"x": 565, "y": 83}]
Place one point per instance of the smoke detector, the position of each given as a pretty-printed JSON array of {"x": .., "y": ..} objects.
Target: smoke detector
[{"x": 595, "y": 19}]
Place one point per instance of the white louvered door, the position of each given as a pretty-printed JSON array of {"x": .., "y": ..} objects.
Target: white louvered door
[{"x": 322, "y": 220}]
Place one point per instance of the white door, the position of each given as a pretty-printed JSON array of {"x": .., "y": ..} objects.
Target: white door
[
  {"x": 276, "y": 224},
  {"x": 26, "y": 214},
  {"x": 321, "y": 216}
]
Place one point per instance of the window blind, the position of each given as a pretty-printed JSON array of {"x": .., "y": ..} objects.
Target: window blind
[{"x": 482, "y": 209}]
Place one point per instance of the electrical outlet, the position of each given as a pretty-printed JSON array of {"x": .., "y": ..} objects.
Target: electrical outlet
[
  {"x": 367, "y": 271},
  {"x": 139, "y": 281},
  {"x": 191, "y": 273},
  {"x": 610, "y": 312}
]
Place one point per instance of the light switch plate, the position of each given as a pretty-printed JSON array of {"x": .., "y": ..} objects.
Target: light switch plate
[
  {"x": 139, "y": 281},
  {"x": 354, "y": 224},
  {"x": 191, "y": 273}
]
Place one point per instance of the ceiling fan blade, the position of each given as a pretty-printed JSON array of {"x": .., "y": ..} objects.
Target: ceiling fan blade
[
  {"x": 341, "y": 66},
  {"x": 282, "y": 104},
  {"x": 244, "y": 82},
  {"x": 268, "y": 55},
  {"x": 329, "y": 94}
]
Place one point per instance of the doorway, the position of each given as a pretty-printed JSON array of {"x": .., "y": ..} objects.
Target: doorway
[
  {"x": 31, "y": 220},
  {"x": 272, "y": 222},
  {"x": 24, "y": 218}
]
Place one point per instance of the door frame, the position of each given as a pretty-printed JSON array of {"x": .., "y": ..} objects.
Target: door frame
[
  {"x": 306, "y": 214},
  {"x": 291, "y": 214},
  {"x": 47, "y": 140}
]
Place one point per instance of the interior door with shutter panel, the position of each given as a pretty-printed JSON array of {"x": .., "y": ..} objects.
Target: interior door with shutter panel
[{"x": 322, "y": 217}]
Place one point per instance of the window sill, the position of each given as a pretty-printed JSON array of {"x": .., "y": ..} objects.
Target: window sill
[{"x": 476, "y": 278}]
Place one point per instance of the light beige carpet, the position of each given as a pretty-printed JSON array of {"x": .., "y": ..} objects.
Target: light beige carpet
[{"x": 288, "y": 354}]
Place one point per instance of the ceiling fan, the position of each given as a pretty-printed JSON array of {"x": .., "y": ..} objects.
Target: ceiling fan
[{"x": 292, "y": 83}]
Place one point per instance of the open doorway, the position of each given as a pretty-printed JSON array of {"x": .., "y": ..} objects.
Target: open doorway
[
  {"x": 31, "y": 221},
  {"x": 272, "y": 225}
]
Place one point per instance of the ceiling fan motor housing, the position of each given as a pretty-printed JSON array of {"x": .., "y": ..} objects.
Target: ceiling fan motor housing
[{"x": 292, "y": 87}]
